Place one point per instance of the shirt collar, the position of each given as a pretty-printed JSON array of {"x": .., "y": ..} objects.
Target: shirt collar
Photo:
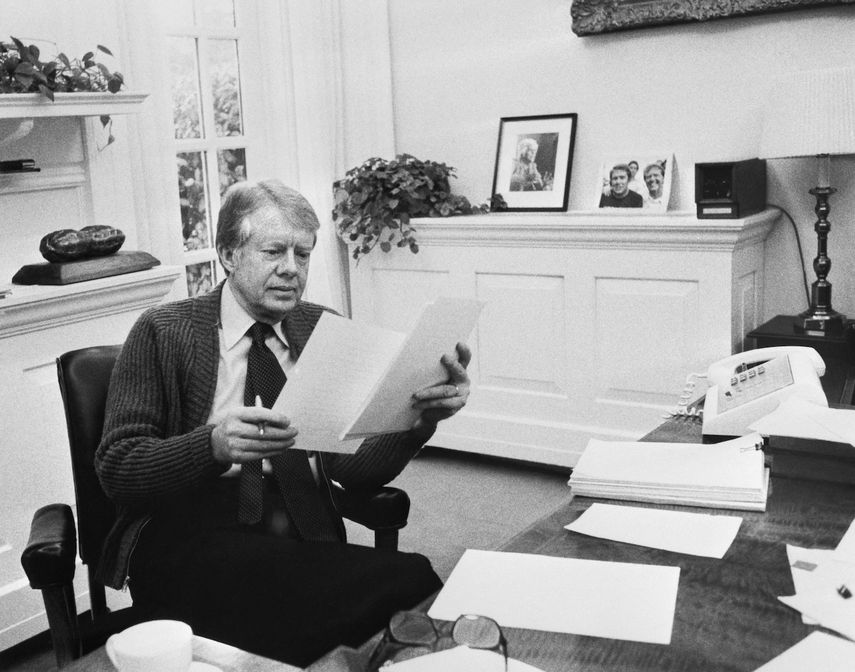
[{"x": 235, "y": 321}]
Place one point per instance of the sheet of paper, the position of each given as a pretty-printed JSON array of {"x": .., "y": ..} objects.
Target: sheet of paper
[
  {"x": 819, "y": 597},
  {"x": 803, "y": 419},
  {"x": 441, "y": 325},
  {"x": 818, "y": 652},
  {"x": 585, "y": 597},
  {"x": 828, "y": 609},
  {"x": 679, "y": 531},
  {"x": 803, "y": 562},
  {"x": 460, "y": 659},
  {"x": 336, "y": 370}
]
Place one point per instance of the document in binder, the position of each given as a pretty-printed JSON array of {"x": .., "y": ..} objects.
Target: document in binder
[
  {"x": 728, "y": 475},
  {"x": 354, "y": 380}
]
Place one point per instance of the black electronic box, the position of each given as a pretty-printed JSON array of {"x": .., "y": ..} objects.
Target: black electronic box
[{"x": 730, "y": 189}]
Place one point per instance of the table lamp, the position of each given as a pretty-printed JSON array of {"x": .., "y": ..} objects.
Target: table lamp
[{"x": 812, "y": 113}]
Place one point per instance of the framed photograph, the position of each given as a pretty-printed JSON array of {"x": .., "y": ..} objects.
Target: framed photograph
[
  {"x": 603, "y": 16},
  {"x": 533, "y": 161},
  {"x": 640, "y": 182}
]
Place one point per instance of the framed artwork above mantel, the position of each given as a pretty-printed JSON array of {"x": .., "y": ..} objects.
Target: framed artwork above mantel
[{"x": 604, "y": 16}]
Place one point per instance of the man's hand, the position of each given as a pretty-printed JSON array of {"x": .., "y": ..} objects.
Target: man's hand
[
  {"x": 439, "y": 402},
  {"x": 250, "y": 433}
]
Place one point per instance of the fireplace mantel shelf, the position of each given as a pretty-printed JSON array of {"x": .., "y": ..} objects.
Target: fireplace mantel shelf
[{"x": 35, "y": 307}]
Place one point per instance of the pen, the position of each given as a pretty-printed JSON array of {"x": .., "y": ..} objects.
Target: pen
[{"x": 258, "y": 404}]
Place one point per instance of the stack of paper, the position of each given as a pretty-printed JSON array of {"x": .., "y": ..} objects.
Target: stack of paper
[{"x": 729, "y": 475}]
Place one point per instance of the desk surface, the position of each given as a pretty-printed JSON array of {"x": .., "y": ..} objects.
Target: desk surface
[
  {"x": 727, "y": 615},
  {"x": 226, "y": 658}
]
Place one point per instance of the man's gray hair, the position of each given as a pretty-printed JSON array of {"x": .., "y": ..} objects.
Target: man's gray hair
[{"x": 245, "y": 198}]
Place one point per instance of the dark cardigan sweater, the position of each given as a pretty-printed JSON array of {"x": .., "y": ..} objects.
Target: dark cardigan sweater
[{"x": 156, "y": 444}]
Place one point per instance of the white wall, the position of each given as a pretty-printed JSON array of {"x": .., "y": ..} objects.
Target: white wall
[{"x": 694, "y": 89}]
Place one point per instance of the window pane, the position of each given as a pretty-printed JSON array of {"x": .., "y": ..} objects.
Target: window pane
[
  {"x": 194, "y": 201},
  {"x": 225, "y": 87},
  {"x": 185, "y": 87},
  {"x": 217, "y": 13},
  {"x": 232, "y": 167},
  {"x": 200, "y": 278},
  {"x": 175, "y": 13}
]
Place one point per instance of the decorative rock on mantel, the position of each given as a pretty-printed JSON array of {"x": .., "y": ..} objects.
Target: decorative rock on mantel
[{"x": 592, "y": 319}]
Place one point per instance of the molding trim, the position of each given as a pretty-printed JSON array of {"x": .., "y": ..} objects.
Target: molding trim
[
  {"x": 35, "y": 308},
  {"x": 80, "y": 104},
  {"x": 681, "y": 231}
]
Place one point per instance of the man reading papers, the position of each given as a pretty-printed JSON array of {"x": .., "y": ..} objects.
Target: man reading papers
[{"x": 222, "y": 521}]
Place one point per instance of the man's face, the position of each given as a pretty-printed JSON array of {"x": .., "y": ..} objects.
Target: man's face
[
  {"x": 529, "y": 152},
  {"x": 619, "y": 182},
  {"x": 268, "y": 272},
  {"x": 653, "y": 180}
]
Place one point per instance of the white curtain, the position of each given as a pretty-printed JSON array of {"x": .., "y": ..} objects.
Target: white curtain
[{"x": 342, "y": 96}]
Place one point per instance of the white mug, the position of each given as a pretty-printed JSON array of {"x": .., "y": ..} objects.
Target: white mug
[{"x": 152, "y": 646}]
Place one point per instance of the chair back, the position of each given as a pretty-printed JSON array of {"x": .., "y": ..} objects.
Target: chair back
[{"x": 84, "y": 378}]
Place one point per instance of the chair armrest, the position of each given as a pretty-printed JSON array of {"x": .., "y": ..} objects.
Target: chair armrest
[
  {"x": 51, "y": 551},
  {"x": 384, "y": 508}
]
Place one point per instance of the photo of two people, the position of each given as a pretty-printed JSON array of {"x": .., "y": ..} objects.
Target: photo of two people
[{"x": 643, "y": 183}]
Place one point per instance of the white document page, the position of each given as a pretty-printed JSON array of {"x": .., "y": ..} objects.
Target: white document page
[
  {"x": 336, "y": 370},
  {"x": 803, "y": 562},
  {"x": 441, "y": 325},
  {"x": 585, "y": 597},
  {"x": 819, "y": 598},
  {"x": 800, "y": 418},
  {"x": 460, "y": 659},
  {"x": 818, "y": 652},
  {"x": 679, "y": 531}
]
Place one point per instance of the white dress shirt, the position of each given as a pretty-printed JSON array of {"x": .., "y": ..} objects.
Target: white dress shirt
[{"x": 234, "y": 350}]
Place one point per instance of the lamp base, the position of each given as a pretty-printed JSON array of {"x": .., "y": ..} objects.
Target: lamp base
[{"x": 815, "y": 322}]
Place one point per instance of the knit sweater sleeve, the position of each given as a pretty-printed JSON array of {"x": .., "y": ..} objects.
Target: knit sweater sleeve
[
  {"x": 155, "y": 443},
  {"x": 377, "y": 461}
]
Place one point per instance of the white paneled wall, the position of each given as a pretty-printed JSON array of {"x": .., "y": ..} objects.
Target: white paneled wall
[{"x": 591, "y": 323}]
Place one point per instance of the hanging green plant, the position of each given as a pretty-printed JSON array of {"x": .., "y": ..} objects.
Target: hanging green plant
[
  {"x": 23, "y": 71},
  {"x": 375, "y": 202}
]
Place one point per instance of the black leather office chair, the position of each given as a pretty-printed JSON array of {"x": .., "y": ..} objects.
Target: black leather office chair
[{"x": 49, "y": 557}]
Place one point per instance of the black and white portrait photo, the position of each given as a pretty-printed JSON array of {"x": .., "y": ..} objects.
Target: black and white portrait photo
[{"x": 534, "y": 163}]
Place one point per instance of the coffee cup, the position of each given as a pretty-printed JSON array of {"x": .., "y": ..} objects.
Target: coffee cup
[{"x": 152, "y": 646}]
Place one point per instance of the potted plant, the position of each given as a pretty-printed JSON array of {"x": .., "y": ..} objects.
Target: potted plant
[
  {"x": 375, "y": 202},
  {"x": 23, "y": 71}
]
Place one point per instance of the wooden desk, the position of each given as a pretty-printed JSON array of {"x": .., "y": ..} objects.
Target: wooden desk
[
  {"x": 727, "y": 615},
  {"x": 225, "y": 657}
]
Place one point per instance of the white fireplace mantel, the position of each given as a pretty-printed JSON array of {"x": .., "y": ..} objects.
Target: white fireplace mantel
[
  {"x": 34, "y": 308},
  {"x": 592, "y": 320}
]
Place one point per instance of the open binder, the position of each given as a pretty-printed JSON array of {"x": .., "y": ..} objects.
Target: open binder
[{"x": 727, "y": 475}]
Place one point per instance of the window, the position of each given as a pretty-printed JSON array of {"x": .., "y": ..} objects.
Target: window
[{"x": 205, "y": 42}]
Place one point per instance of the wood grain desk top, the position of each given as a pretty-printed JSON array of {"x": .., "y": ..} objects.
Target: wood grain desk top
[{"x": 727, "y": 615}]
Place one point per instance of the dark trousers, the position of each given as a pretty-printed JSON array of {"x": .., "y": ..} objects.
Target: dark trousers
[{"x": 271, "y": 595}]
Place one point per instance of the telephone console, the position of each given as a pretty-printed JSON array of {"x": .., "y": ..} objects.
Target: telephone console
[{"x": 751, "y": 384}]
